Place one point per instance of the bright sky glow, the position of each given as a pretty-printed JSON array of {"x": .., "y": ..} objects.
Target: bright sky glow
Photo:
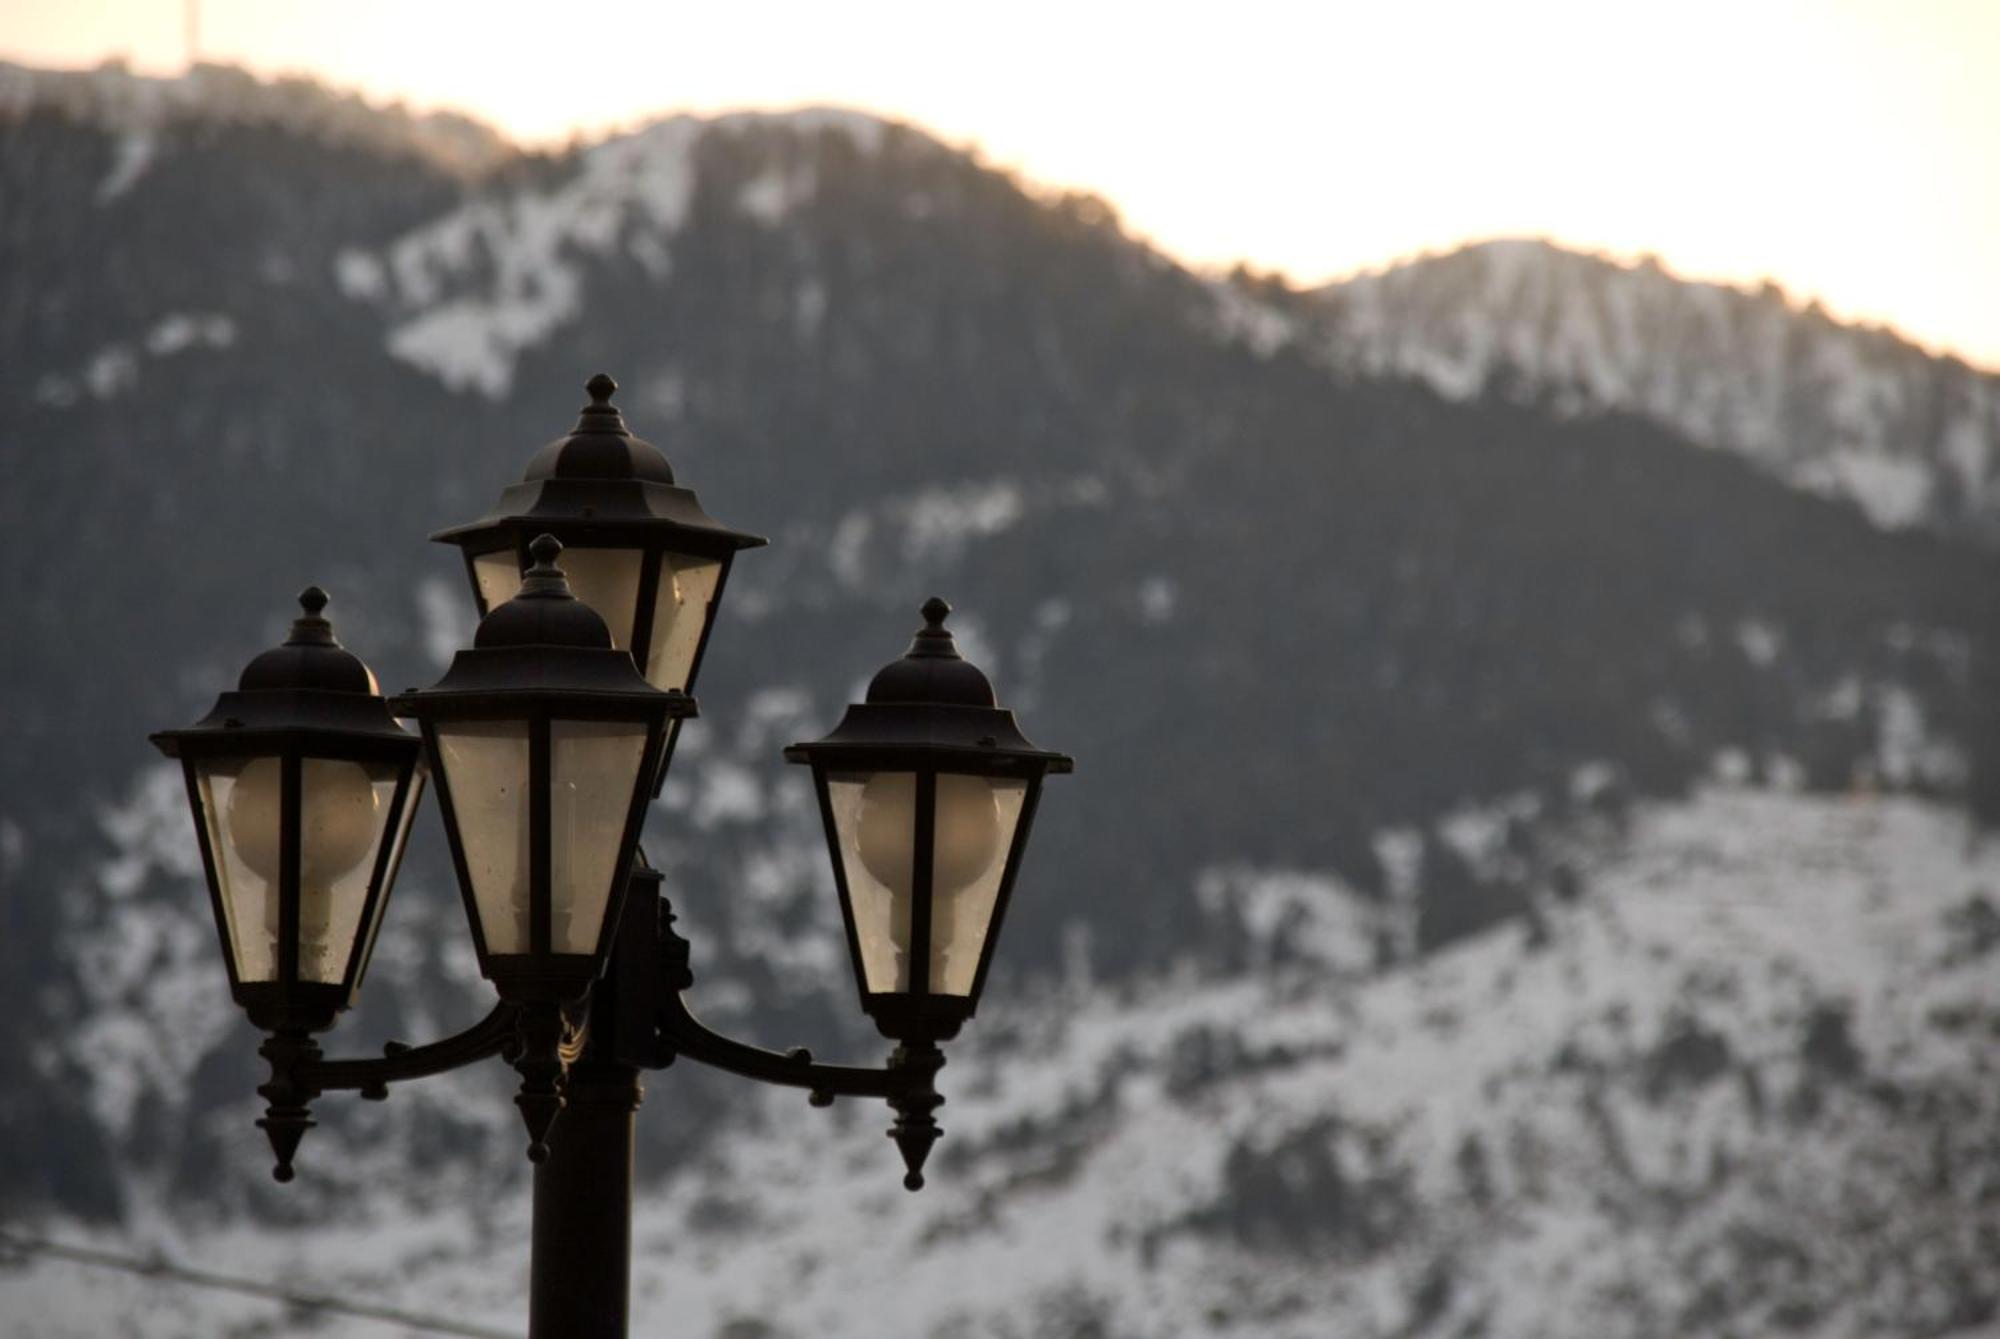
[{"x": 1850, "y": 150}]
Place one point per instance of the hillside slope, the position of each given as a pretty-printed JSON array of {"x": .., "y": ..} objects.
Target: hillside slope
[{"x": 1843, "y": 411}]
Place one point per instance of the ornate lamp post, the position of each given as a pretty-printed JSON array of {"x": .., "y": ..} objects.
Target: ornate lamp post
[{"x": 545, "y": 739}]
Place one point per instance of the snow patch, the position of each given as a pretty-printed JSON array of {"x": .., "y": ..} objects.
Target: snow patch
[
  {"x": 115, "y": 368},
  {"x": 470, "y": 292},
  {"x": 133, "y": 154},
  {"x": 499, "y": 276},
  {"x": 937, "y": 523},
  {"x": 446, "y": 618}
]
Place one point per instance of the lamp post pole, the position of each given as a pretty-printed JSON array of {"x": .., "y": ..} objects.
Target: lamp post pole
[
  {"x": 580, "y": 1270},
  {"x": 544, "y": 741},
  {"x": 580, "y": 1278}
]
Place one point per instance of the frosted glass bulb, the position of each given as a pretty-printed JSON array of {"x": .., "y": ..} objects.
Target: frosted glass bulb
[
  {"x": 336, "y": 830},
  {"x": 967, "y": 831}
]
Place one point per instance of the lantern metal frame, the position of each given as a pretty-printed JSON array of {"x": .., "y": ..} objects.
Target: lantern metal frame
[
  {"x": 928, "y": 715},
  {"x": 541, "y": 658},
  {"x": 580, "y": 1032},
  {"x": 308, "y": 699}
]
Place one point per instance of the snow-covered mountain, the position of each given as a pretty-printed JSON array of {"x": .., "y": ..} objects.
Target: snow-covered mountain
[
  {"x": 1852, "y": 412},
  {"x": 1743, "y": 1084},
  {"x": 1523, "y": 875}
]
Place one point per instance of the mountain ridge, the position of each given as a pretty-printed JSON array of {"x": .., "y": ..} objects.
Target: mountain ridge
[
  {"x": 1848, "y": 410},
  {"x": 119, "y": 98},
  {"x": 1842, "y": 410}
]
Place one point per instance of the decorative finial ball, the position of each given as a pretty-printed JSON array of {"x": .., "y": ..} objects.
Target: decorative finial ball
[
  {"x": 913, "y": 1181},
  {"x": 312, "y": 599},
  {"x": 600, "y": 388},
  {"x": 545, "y": 549},
  {"x": 935, "y": 612}
]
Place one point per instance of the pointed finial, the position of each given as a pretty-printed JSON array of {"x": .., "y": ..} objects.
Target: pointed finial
[
  {"x": 596, "y": 419},
  {"x": 310, "y": 628},
  {"x": 933, "y": 640},
  {"x": 545, "y": 579}
]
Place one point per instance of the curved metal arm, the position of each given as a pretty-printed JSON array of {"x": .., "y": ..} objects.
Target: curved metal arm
[
  {"x": 639, "y": 1018},
  {"x": 681, "y": 1033},
  {"x": 684, "y": 1034},
  {"x": 489, "y": 1036},
  {"x": 908, "y": 1081}
]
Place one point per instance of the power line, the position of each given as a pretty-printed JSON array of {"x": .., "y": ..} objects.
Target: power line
[{"x": 159, "y": 1268}]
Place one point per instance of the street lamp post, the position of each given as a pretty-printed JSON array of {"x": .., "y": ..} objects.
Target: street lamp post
[{"x": 597, "y": 580}]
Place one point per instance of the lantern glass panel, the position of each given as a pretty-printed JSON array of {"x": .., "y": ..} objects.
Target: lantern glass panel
[
  {"x": 239, "y": 803},
  {"x": 593, "y": 772},
  {"x": 875, "y": 820},
  {"x": 343, "y": 811},
  {"x": 687, "y": 588},
  {"x": 976, "y": 818},
  {"x": 608, "y": 581},
  {"x": 399, "y": 839},
  {"x": 486, "y": 776},
  {"x": 498, "y": 576},
  {"x": 343, "y": 808}
]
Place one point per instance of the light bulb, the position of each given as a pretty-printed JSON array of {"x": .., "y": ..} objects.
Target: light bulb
[
  {"x": 965, "y": 842},
  {"x": 336, "y": 833}
]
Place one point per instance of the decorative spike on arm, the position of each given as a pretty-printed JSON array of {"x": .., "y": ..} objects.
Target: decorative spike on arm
[
  {"x": 288, "y": 1096},
  {"x": 543, "y": 1050},
  {"x": 300, "y": 1073},
  {"x": 916, "y": 1128}
]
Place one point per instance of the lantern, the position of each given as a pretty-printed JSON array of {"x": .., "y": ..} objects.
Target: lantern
[
  {"x": 544, "y": 740},
  {"x": 303, "y": 787},
  {"x": 636, "y": 548},
  {"x": 927, "y": 791}
]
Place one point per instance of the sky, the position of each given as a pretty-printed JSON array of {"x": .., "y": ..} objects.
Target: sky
[{"x": 1850, "y": 151}]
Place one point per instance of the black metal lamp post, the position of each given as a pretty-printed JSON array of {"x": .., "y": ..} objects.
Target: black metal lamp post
[{"x": 546, "y": 737}]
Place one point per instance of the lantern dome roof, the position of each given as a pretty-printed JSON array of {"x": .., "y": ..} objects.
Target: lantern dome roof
[
  {"x": 600, "y": 446},
  {"x": 309, "y": 657},
  {"x": 545, "y": 612},
  {"x": 932, "y": 670},
  {"x": 308, "y": 688},
  {"x": 602, "y": 484},
  {"x": 932, "y": 704},
  {"x": 542, "y": 644}
]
